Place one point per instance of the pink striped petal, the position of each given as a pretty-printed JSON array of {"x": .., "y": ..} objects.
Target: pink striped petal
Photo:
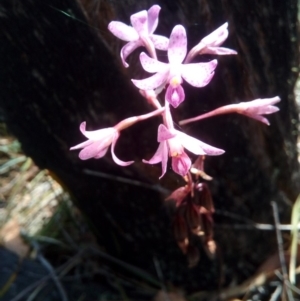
[
  {"x": 101, "y": 154},
  {"x": 259, "y": 118},
  {"x": 175, "y": 96},
  {"x": 123, "y": 31},
  {"x": 161, "y": 155},
  {"x": 177, "y": 45},
  {"x": 151, "y": 82},
  {"x": 153, "y": 13},
  {"x": 82, "y": 145},
  {"x": 217, "y": 37},
  {"x": 198, "y": 74},
  {"x": 115, "y": 158},
  {"x": 160, "y": 42},
  {"x": 218, "y": 51},
  {"x": 151, "y": 65},
  {"x": 164, "y": 133},
  {"x": 198, "y": 147},
  {"x": 98, "y": 134},
  {"x": 128, "y": 49},
  {"x": 139, "y": 22},
  {"x": 96, "y": 149},
  {"x": 181, "y": 164}
]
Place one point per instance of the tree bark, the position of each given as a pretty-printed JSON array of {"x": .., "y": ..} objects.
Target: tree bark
[{"x": 57, "y": 71}]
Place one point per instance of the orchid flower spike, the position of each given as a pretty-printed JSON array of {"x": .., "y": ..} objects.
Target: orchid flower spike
[
  {"x": 253, "y": 109},
  {"x": 210, "y": 44},
  {"x": 172, "y": 143},
  {"x": 98, "y": 143},
  {"x": 197, "y": 75},
  {"x": 144, "y": 24}
]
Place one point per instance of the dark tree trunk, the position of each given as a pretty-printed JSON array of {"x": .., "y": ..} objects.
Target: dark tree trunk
[{"x": 57, "y": 71}]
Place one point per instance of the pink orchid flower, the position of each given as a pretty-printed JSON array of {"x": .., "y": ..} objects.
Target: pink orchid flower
[
  {"x": 98, "y": 143},
  {"x": 197, "y": 74},
  {"x": 253, "y": 109},
  {"x": 141, "y": 34},
  {"x": 172, "y": 143},
  {"x": 258, "y": 107},
  {"x": 210, "y": 44}
]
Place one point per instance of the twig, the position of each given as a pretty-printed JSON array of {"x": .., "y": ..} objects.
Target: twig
[
  {"x": 160, "y": 277},
  {"x": 281, "y": 252},
  {"x": 104, "y": 175},
  {"x": 28, "y": 289},
  {"x": 276, "y": 293},
  {"x": 265, "y": 227},
  {"x": 50, "y": 269}
]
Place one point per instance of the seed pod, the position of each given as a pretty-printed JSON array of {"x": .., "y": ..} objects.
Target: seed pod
[
  {"x": 193, "y": 256},
  {"x": 211, "y": 248},
  {"x": 183, "y": 245},
  {"x": 204, "y": 198},
  {"x": 198, "y": 169},
  {"x": 208, "y": 223},
  {"x": 193, "y": 218},
  {"x": 180, "y": 230}
]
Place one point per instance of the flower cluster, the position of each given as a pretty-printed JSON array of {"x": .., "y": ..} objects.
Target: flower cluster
[
  {"x": 169, "y": 76},
  {"x": 194, "y": 203}
]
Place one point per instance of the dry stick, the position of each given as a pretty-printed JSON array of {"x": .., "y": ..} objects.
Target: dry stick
[
  {"x": 276, "y": 293},
  {"x": 281, "y": 252},
  {"x": 161, "y": 278},
  {"x": 44, "y": 279}
]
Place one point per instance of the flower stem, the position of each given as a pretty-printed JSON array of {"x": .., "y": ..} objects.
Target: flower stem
[
  {"x": 132, "y": 120},
  {"x": 222, "y": 110}
]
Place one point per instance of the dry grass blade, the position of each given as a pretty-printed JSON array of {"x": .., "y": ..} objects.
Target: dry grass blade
[{"x": 294, "y": 240}]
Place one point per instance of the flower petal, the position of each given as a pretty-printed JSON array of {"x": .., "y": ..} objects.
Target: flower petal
[
  {"x": 151, "y": 82},
  {"x": 161, "y": 155},
  {"x": 160, "y": 42},
  {"x": 259, "y": 118},
  {"x": 101, "y": 154},
  {"x": 175, "y": 96},
  {"x": 128, "y": 49},
  {"x": 198, "y": 74},
  {"x": 153, "y": 13},
  {"x": 139, "y": 22},
  {"x": 96, "y": 149},
  {"x": 115, "y": 158},
  {"x": 82, "y": 145},
  {"x": 164, "y": 133},
  {"x": 217, "y": 37},
  {"x": 123, "y": 31},
  {"x": 181, "y": 164},
  {"x": 177, "y": 45},
  {"x": 98, "y": 134},
  {"x": 198, "y": 147},
  {"x": 218, "y": 51},
  {"x": 151, "y": 65}
]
